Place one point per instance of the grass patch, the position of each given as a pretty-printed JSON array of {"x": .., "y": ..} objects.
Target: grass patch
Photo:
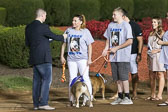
[{"x": 15, "y": 82}]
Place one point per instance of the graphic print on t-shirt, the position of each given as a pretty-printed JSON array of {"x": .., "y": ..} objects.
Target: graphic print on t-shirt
[
  {"x": 74, "y": 44},
  {"x": 115, "y": 38}
]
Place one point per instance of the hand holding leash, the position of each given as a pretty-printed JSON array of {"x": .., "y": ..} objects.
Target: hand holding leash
[{"x": 108, "y": 55}]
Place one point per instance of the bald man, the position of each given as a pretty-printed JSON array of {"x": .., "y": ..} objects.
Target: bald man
[{"x": 37, "y": 36}]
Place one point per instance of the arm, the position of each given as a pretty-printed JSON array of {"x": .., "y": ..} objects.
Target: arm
[
  {"x": 104, "y": 53},
  {"x": 140, "y": 47},
  {"x": 89, "y": 54},
  {"x": 159, "y": 39},
  {"x": 62, "y": 53},
  {"x": 160, "y": 42},
  {"x": 49, "y": 34},
  {"x": 125, "y": 44}
]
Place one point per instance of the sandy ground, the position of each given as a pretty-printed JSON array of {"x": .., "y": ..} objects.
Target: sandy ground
[{"x": 22, "y": 101}]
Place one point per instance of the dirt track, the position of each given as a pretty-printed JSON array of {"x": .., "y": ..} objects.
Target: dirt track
[{"x": 21, "y": 101}]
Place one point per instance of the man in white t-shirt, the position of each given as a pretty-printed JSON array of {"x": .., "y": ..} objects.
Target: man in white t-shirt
[{"x": 119, "y": 40}]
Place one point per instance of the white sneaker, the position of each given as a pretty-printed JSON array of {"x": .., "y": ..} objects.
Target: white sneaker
[
  {"x": 46, "y": 107},
  {"x": 36, "y": 108},
  {"x": 116, "y": 101},
  {"x": 126, "y": 101}
]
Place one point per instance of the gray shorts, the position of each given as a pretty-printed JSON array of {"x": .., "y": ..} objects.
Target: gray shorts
[{"x": 120, "y": 70}]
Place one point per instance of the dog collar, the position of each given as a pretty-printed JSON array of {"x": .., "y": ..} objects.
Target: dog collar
[{"x": 99, "y": 75}]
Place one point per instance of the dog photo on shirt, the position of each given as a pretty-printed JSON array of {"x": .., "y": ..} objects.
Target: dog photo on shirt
[
  {"x": 74, "y": 44},
  {"x": 115, "y": 38}
]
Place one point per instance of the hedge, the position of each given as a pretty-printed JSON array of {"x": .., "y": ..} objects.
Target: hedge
[
  {"x": 3, "y": 15},
  {"x": 150, "y": 8},
  {"x": 107, "y": 7},
  {"x": 90, "y": 8},
  {"x": 58, "y": 12},
  {"x": 13, "y": 50},
  {"x": 56, "y": 45},
  {"x": 14, "y": 53},
  {"x": 20, "y": 12}
]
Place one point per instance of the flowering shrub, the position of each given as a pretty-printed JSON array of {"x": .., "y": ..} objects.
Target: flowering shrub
[
  {"x": 146, "y": 26},
  {"x": 97, "y": 28}
]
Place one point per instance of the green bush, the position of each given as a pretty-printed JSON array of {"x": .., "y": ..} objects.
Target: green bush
[
  {"x": 20, "y": 12},
  {"x": 12, "y": 48},
  {"x": 13, "y": 51},
  {"x": 3, "y": 15},
  {"x": 150, "y": 8},
  {"x": 90, "y": 8},
  {"x": 56, "y": 48},
  {"x": 58, "y": 12},
  {"x": 4, "y": 29},
  {"x": 56, "y": 45},
  {"x": 107, "y": 7}
]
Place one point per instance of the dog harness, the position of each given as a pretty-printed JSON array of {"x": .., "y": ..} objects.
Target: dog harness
[
  {"x": 75, "y": 79},
  {"x": 99, "y": 75}
]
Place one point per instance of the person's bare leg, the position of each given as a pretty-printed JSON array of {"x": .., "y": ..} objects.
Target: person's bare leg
[
  {"x": 152, "y": 77},
  {"x": 161, "y": 85},
  {"x": 165, "y": 103},
  {"x": 126, "y": 88},
  {"x": 120, "y": 86},
  {"x": 120, "y": 89},
  {"x": 135, "y": 80}
]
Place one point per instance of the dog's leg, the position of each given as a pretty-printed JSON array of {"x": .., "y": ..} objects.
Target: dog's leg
[
  {"x": 77, "y": 99},
  {"x": 94, "y": 92},
  {"x": 73, "y": 101},
  {"x": 90, "y": 99},
  {"x": 103, "y": 92},
  {"x": 115, "y": 96},
  {"x": 84, "y": 100},
  {"x": 77, "y": 102}
]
